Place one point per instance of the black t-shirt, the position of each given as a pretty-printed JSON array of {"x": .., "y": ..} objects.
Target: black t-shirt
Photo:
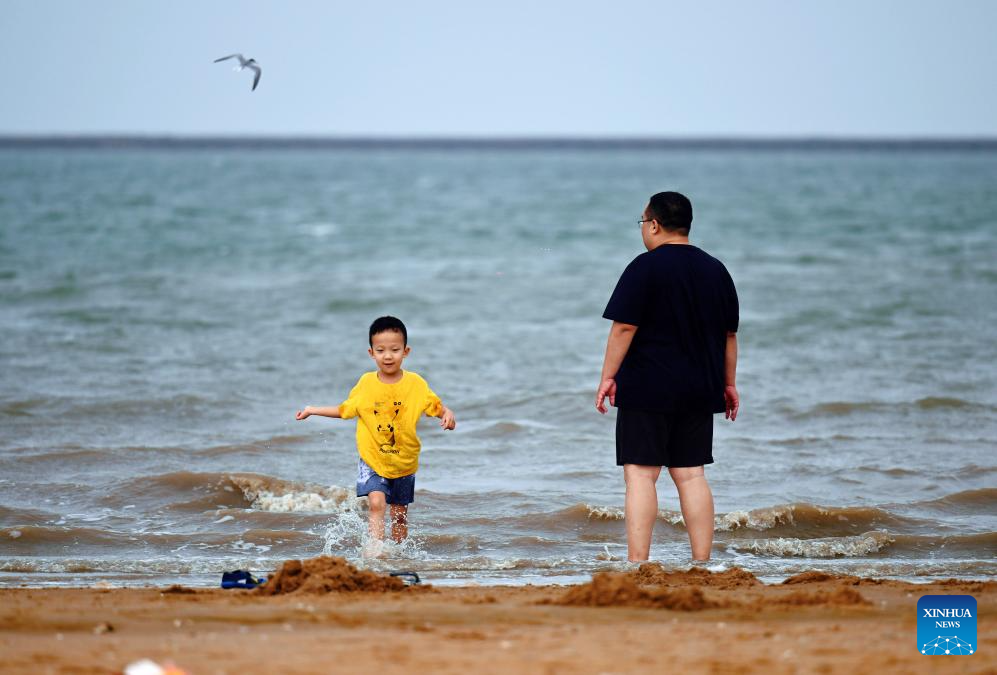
[{"x": 684, "y": 303}]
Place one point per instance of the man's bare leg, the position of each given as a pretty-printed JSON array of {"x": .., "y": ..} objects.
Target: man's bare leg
[
  {"x": 641, "y": 508},
  {"x": 399, "y": 522},
  {"x": 696, "y": 501}
]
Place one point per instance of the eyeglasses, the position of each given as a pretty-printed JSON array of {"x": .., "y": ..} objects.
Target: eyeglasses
[{"x": 641, "y": 221}]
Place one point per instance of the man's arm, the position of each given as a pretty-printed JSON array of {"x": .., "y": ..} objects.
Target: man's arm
[
  {"x": 620, "y": 337},
  {"x": 332, "y": 411},
  {"x": 730, "y": 378}
]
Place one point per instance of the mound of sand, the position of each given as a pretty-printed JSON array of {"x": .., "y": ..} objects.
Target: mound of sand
[
  {"x": 327, "y": 574},
  {"x": 837, "y": 597},
  {"x": 618, "y": 589},
  {"x": 966, "y": 586},
  {"x": 815, "y": 577},
  {"x": 178, "y": 589},
  {"x": 653, "y": 574}
]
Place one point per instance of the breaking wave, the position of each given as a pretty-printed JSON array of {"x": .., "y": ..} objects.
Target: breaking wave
[
  {"x": 870, "y": 543},
  {"x": 983, "y": 497},
  {"x": 198, "y": 492},
  {"x": 829, "y": 547},
  {"x": 799, "y": 519},
  {"x": 281, "y": 496}
]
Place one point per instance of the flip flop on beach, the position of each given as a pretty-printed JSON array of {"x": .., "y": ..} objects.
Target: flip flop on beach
[
  {"x": 410, "y": 578},
  {"x": 241, "y": 579}
]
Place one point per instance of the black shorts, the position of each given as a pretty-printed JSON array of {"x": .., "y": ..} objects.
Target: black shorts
[{"x": 663, "y": 439}]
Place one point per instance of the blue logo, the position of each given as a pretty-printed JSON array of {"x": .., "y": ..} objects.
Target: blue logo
[{"x": 946, "y": 625}]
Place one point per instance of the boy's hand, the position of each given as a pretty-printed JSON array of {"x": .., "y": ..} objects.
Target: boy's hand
[
  {"x": 733, "y": 402},
  {"x": 303, "y": 414},
  {"x": 447, "y": 420},
  {"x": 607, "y": 388}
]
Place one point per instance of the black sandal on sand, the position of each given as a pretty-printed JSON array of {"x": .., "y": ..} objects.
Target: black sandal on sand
[
  {"x": 410, "y": 578},
  {"x": 241, "y": 579}
]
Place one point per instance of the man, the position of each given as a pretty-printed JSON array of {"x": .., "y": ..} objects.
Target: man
[{"x": 670, "y": 365}]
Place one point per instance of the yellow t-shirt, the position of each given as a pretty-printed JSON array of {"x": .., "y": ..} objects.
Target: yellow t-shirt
[{"x": 389, "y": 413}]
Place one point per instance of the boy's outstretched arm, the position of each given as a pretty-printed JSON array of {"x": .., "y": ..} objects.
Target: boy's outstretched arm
[
  {"x": 315, "y": 410},
  {"x": 447, "y": 420}
]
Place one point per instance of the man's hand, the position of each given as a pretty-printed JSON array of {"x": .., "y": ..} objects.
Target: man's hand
[
  {"x": 447, "y": 420},
  {"x": 303, "y": 414},
  {"x": 607, "y": 388},
  {"x": 617, "y": 345},
  {"x": 733, "y": 402}
]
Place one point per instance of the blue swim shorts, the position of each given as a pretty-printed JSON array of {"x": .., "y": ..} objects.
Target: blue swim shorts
[{"x": 396, "y": 490}]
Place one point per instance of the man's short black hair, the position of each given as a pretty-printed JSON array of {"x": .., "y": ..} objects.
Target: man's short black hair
[
  {"x": 672, "y": 210},
  {"x": 385, "y": 324}
]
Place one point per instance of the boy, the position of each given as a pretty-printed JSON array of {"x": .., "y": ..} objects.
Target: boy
[
  {"x": 670, "y": 365},
  {"x": 389, "y": 402}
]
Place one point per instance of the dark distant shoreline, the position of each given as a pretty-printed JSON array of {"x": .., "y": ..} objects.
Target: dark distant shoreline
[{"x": 163, "y": 142}]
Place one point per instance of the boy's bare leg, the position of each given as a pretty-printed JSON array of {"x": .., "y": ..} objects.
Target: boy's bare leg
[
  {"x": 641, "y": 508},
  {"x": 375, "y": 515},
  {"x": 696, "y": 500},
  {"x": 399, "y": 522}
]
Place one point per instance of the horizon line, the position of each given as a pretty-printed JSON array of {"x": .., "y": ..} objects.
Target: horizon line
[{"x": 497, "y": 141}]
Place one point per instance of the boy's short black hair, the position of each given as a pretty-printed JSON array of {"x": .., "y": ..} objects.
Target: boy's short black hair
[
  {"x": 385, "y": 324},
  {"x": 672, "y": 210}
]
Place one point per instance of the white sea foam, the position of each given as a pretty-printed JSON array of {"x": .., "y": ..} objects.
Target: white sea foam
[
  {"x": 249, "y": 546},
  {"x": 347, "y": 535},
  {"x": 759, "y": 519},
  {"x": 277, "y": 496},
  {"x": 606, "y": 555},
  {"x": 300, "y": 502},
  {"x": 830, "y": 547},
  {"x": 604, "y": 512}
]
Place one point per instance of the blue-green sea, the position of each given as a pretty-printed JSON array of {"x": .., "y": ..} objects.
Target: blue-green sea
[{"x": 164, "y": 313}]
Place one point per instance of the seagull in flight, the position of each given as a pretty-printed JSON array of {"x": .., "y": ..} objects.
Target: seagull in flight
[{"x": 243, "y": 64}]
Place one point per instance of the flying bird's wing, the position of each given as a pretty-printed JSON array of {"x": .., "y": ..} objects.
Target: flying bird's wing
[
  {"x": 231, "y": 56},
  {"x": 256, "y": 78}
]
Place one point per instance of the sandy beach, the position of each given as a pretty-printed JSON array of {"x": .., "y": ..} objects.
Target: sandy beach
[{"x": 647, "y": 620}]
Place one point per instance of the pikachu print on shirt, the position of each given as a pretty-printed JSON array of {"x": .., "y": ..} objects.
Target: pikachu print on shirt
[{"x": 386, "y": 413}]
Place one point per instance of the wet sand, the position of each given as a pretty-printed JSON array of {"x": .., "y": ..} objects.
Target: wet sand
[{"x": 644, "y": 621}]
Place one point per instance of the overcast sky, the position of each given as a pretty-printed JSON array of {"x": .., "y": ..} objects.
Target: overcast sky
[{"x": 609, "y": 68}]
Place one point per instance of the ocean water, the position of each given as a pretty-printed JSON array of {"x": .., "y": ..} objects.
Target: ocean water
[{"x": 165, "y": 312}]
